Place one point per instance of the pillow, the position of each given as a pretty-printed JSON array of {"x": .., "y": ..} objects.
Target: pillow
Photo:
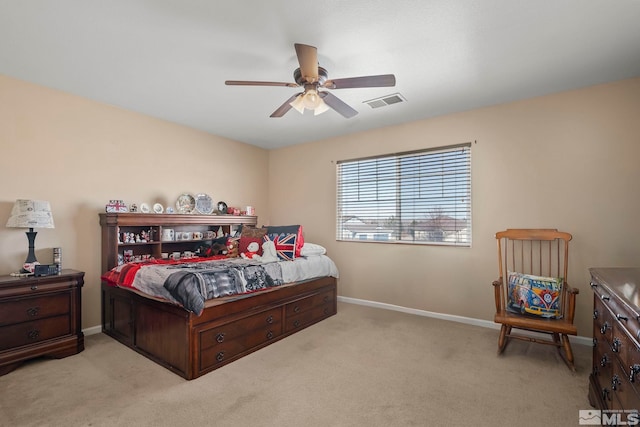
[
  {"x": 311, "y": 249},
  {"x": 253, "y": 232},
  {"x": 248, "y": 235},
  {"x": 288, "y": 229},
  {"x": 536, "y": 295},
  {"x": 285, "y": 244}
]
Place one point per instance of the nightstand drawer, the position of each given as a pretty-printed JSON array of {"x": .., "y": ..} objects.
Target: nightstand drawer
[
  {"x": 35, "y": 308},
  {"x": 27, "y": 333}
]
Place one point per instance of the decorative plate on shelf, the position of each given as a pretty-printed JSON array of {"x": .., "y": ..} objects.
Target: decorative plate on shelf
[
  {"x": 185, "y": 204},
  {"x": 204, "y": 204},
  {"x": 158, "y": 208},
  {"x": 170, "y": 210},
  {"x": 144, "y": 208},
  {"x": 222, "y": 207}
]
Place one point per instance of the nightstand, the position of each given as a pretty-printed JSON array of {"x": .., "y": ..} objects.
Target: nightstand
[{"x": 40, "y": 316}]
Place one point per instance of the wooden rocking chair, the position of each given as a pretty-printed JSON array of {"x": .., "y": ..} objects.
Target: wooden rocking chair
[{"x": 541, "y": 253}]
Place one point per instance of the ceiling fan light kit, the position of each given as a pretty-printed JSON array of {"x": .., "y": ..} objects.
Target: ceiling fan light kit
[{"x": 311, "y": 77}]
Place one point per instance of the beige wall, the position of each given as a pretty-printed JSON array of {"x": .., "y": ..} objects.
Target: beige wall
[
  {"x": 79, "y": 154},
  {"x": 568, "y": 161}
]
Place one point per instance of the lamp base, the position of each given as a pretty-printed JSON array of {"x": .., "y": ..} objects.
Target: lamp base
[{"x": 30, "y": 263}]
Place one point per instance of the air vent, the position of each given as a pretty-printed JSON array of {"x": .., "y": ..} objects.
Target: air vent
[{"x": 385, "y": 100}]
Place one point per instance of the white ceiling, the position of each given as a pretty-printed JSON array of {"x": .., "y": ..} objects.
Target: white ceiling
[{"x": 170, "y": 58}]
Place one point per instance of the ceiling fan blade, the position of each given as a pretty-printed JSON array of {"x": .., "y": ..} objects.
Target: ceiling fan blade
[
  {"x": 282, "y": 110},
  {"x": 382, "y": 80},
  {"x": 338, "y": 105},
  {"x": 254, "y": 83},
  {"x": 308, "y": 60}
]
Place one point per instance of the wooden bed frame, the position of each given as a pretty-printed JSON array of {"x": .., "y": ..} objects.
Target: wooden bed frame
[{"x": 228, "y": 328}]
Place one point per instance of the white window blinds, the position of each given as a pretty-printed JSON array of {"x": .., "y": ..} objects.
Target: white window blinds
[{"x": 414, "y": 197}]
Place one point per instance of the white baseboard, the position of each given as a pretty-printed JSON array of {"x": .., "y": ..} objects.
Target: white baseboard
[
  {"x": 468, "y": 320},
  {"x": 92, "y": 330}
]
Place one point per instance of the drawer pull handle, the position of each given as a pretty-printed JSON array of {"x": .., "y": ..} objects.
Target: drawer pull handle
[
  {"x": 621, "y": 317},
  {"x": 220, "y": 356},
  {"x": 33, "y": 334},
  {"x": 604, "y": 360},
  {"x": 605, "y": 298},
  {"x": 270, "y": 319},
  {"x": 595, "y": 342},
  {"x": 615, "y": 381},
  {"x": 33, "y": 311},
  {"x": 296, "y": 309},
  {"x": 326, "y": 310},
  {"x": 296, "y": 323},
  {"x": 634, "y": 371},
  {"x": 603, "y": 328},
  {"x": 595, "y": 314},
  {"x": 34, "y": 287},
  {"x": 593, "y": 285},
  {"x": 220, "y": 337},
  {"x": 605, "y": 394},
  {"x": 326, "y": 298},
  {"x": 615, "y": 346},
  {"x": 269, "y": 335}
]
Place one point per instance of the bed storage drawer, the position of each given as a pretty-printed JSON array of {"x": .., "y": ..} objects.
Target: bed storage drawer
[
  {"x": 221, "y": 344},
  {"x": 311, "y": 309}
]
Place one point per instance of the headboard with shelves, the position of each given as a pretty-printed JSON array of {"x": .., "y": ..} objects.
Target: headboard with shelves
[{"x": 141, "y": 235}]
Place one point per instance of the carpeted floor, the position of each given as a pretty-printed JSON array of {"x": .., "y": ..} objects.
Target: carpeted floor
[{"x": 363, "y": 367}]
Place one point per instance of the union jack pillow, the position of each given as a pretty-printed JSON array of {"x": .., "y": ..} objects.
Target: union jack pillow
[{"x": 285, "y": 244}]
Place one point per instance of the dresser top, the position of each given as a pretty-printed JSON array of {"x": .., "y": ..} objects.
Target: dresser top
[
  {"x": 624, "y": 282},
  {"x": 8, "y": 280}
]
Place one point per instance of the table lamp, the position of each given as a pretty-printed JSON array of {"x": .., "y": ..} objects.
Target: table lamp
[{"x": 30, "y": 214}]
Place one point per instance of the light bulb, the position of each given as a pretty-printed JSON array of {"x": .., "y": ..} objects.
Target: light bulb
[{"x": 311, "y": 99}]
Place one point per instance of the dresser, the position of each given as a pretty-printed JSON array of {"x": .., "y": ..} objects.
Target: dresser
[
  {"x": 614, "y": 382},
  {"x": 40, "y": 316}
]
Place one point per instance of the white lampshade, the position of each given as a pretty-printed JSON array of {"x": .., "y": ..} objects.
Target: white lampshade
[
  {"x": 31, "y": 214},
  {"x": 311, "y": 101},
  {"x": 297, "y": 104}
]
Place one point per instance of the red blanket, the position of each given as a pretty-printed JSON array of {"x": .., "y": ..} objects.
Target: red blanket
[{"x": 124, "y": 274}]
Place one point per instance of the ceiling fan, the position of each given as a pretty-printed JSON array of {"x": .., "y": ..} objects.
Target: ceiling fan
[{"x": 312, "y": 77}]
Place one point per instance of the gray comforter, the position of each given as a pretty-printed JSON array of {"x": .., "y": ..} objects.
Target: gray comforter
[{"x": 190, "y": 284}]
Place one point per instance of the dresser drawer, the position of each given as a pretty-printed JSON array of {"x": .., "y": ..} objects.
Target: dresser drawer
[
  {"x": 308, "y": 303},
  {"x": 625, "y": 395},
  {"x": 38, "y": 285},
  {"x": 603, "y": 360},
  {"x": 602, "y": 320},
  {"x": 34, "y": 308},
  {"x": 26, "y": 333}
]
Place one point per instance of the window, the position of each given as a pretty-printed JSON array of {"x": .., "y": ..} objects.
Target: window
[{"x": 421, "y": 197}]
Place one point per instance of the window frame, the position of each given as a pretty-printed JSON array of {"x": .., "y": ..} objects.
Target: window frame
[{"x": 365, "y": 184}]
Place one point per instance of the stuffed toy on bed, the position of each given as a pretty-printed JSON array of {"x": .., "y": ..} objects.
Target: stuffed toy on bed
[
  {"x": 269, "y": 253},
  {"x": 251, "y": 252}
]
